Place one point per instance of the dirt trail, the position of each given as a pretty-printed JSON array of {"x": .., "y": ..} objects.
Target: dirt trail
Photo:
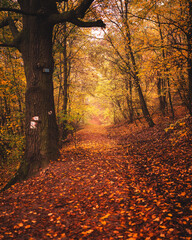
[
  {"x": 95, "y": 191},
  {"x": 93, "y": 137}
]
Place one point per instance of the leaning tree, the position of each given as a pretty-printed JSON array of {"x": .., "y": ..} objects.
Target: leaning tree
[{"x": 33, "y": 38}]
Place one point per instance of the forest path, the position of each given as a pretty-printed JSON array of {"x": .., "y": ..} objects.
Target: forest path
[{"x": 110, "y": 183}]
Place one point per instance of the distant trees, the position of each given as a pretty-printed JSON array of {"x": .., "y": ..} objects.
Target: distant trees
[
  {"x": 120, "y": 37},
  {"x": 151, "y": 44},
  {"x": 12, "y": 87},
  {"x": 71, "y": 76}
]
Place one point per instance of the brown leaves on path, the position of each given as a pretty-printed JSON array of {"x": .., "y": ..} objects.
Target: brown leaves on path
[{"x": 114, "y": 184}]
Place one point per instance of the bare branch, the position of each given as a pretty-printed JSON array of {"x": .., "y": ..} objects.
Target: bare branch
[
  {"x": 70, "y": 17},
  {"x": 15, "y": 10},
  {"x": 82, "y": 8},
  {"x": 74, "y": 16},
  {"x": 8, "y": 45},
  {"x": 61, "y": 17},
  {"x": 79, "y": 23}
]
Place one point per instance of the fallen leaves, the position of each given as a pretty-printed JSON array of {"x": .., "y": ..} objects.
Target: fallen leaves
[
  {"x": 27, "y": 226},
  {"x": 115, "y": 184},
  {"x": 18, "y": 225},
  {"x": 86, "y": 233}
]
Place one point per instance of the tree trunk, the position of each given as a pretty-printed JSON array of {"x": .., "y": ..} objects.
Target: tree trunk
[
  {"x": 60, "y": 86},
  {"x": 65, "y": 84},
  {"x": 41, "y": 128},
  {"x": 162, "y": 83},
  {"x": 189, "y": 40},
  {"x": 138, "y": 88},
  {"x": 143, "y": 103},
  {"x": 170, "y": 99},
  {"x": 161, "y": 95},
  {"x": 129, "y": 98},
  {"x": 118, "y": 103},
  {"x": 135, "y": 70}
]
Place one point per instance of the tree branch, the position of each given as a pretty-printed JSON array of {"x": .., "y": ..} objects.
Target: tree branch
[
  {"x": 82, "y": 8},
  {"x": 79, "y": 11},
  {"x": 15, "y": 10},
  {"x": 61, "y": 17},
  {"x": 69, "y": 17},
  {"x": 8, "y": 45},
  {"x": 79, "y": 23},
  {"x": 74, "y": 15}
]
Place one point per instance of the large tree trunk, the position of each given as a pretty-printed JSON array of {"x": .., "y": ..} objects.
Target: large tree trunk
[{"x": 41, "y": 127}]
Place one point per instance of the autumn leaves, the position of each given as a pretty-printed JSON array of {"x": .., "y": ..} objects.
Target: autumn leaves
[{"x": 115, "y": 184}]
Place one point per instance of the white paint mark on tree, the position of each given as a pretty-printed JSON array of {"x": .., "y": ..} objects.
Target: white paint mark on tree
[{"x": 34, "y": 122}]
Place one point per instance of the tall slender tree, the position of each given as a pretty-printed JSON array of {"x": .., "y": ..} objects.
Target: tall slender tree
[
  {"x": 189, "y": 43},
  {"x": 121, "y": 23}
]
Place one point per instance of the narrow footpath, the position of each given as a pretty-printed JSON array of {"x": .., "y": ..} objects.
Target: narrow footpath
[{"x": 107, "y": 184}]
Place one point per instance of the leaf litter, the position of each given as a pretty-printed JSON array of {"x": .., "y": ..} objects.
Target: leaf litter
[{"x": 121, "y": 182}]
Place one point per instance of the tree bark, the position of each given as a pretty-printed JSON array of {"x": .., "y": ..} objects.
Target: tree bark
[
  {"x": 189, "y": 40},
  {"x": 161, "y": 95},
  {"x": 40, "y": 126},
  {"x": 129, "y": 98},
  {"x": 143, "y": 103},
  {"x": 65, "y": 84}
]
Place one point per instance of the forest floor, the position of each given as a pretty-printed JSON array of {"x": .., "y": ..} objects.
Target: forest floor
[{"x": 116, "y": 182}]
